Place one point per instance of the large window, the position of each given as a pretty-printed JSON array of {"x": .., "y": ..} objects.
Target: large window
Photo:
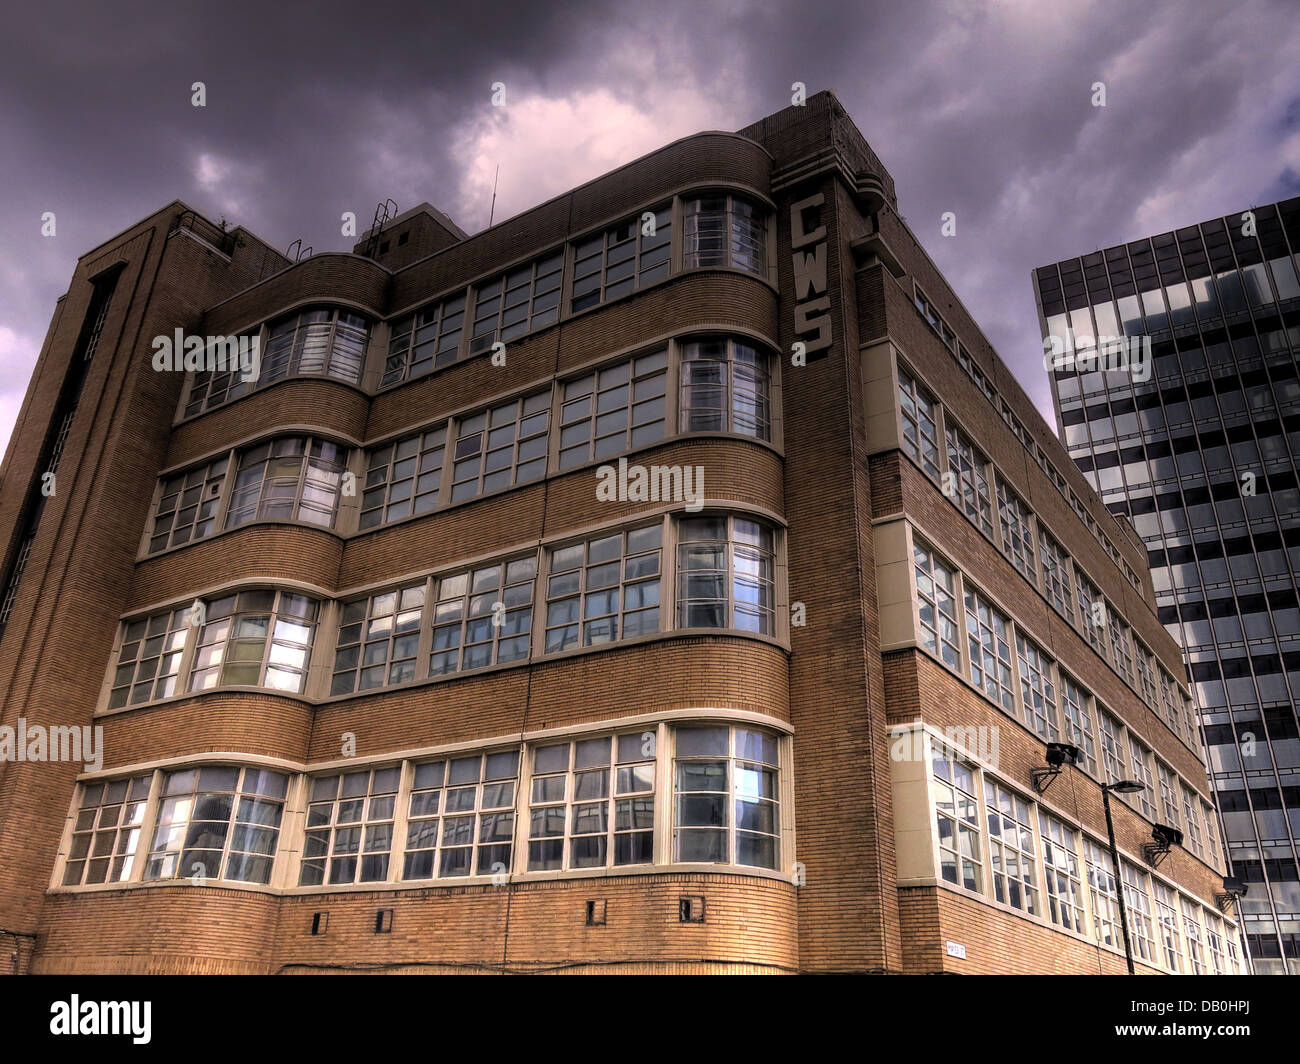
[
  {"x": 403, "y": 478},
  {"x": 106, "y": 831},
  {"x": 592, "y": 803},
  {"x": 483, "y": 616},
  {"x": 211, "y": 388},
  {"x": 725, "y": 388},
  {"x": 425, "y": 340},
  {"x": 1168, "y": 794},
  {"x": 218, "y": 822},
  {"x": 936, "y": 595},
  {"x": 726, "y": 801},
  {"x": 1192, "y": 926},
  {"x": 294, "y": 478},
  {"x": 187, "y": 508},
  {"x": 149, "y": 660},
  {"x": 920, "y": 427},
  {"x": 630, "y": 255},
  {"x": 1017, "y": 525},
  {"x": 604, "y": 589},
  {"x": 526, "y": 298},
  {"x": 613, "y": 410},
  {"x": 725, "y": 574},
  {"x": 1192, "y": 819},
  {"x": 1056, "y": 572},
  {"x": 475, "y": 832},
  {"x": 350, "y": 827},
  {"x": 316, "y": 342},
  {"x": 724, "y": 230},
  {"x": 1138, "y": 902},
  {"x": 956, "y": 811},
  {"x": 1064, "y": 881},
  {"x": 1076, "y": 709},
  {"x": 988, "y": 633},
  {"x": 1037, "y": 691},
  {"x": 258, "y": 638},
  {"x": 1012, "y": 861},
  {"x": 1102, "y": 891},
  {"x": 1166, "y": 915},
  {"x": 1121, "y": 648},
  {"x": 378, "y": 640},
  {"x": 970, "y": 467},
  {"x": 1141, "y": 760},
  {"x": 502, "y": 446},
  {"x": 1112, "y": 745}
]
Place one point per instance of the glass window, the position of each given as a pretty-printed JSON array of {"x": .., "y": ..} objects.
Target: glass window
[
  {"x": 225, "y": 381},
  {"x": 725, "y": 388},
  {"x": 1037, "y": 691},
  {"x": 936, "y": 595},
  {"x": 1103, "y": 894},
  {"x": 724, "y": 230},
  {"x": 1061, "y": 865},
  {"x": 258, "y": 638},
  {"x": 1141, "y": 760},
  {"x": 1192, "y": 819},
  {"x": 604, "y": 589},
  {"x": 1012, "y": 853},
  {"x": 294, "y": 478},
  {"x": 107, "y": 831},
  {"x": 526, "y": 298},
  {"x": 461, "y": 819},
  {"x": 592, "y": 803},
  {"x": 920, "y": 429},
  {"x": 319, "y": 342},
  {"x": 1076, "y": 706},
  {"x": 956, "y": 812},
  {"x": 970, "y": 467},
  {"x": 149, "y": 659},
  {"x": 628, "y": 256},
  {"x": 1138, "y": 904},
  {"x": 1166, "y": 915},
  {"x": 613, "y": 410},
  {"x": 1017, "y": 525},
  {"x": 187, "y": 506},
  {"x": 1112, "y": 748},
  {"x": 1090, "y": 604},
  {"x": 500, "y": 447},
  {"x": 349, "y": 833},
  {"x": 483, "y": 616},
  {"x": 988, "y": 634},
  {"x": 425, "y": 340},
  {"x": 1168, "y": 795},
  {"x": 1121, "y": 649},
  {"x": 218, "y": 822},
  {"x": 1192, "y": 928},
  {"x": 725, "y": 574},
  {"x": 726, "y": 799},
  {"x": 403, "y": 478},
  {"x": 378, "y": 640},
  {"x": 1056, "y": 573}
]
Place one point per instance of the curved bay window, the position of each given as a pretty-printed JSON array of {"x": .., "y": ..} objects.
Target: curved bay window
[
  {"x": 725, "y": 388},
  {"x": 258, "y": 638},
  {"x": 295, "y": 478},
  {"x": 218, "y": 822},
  {"x": 725, "y": 574},
  {"x": 725, "y": 797},
  {"x": 719, "y": 229},
  {"x": 318, "y": 342}
]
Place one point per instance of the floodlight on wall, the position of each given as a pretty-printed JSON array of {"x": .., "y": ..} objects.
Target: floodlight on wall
[
  {"x": 1058, "y": 755},
  {"x": 1233, "y": 890},
  {"x": 1164, "y": 837}
]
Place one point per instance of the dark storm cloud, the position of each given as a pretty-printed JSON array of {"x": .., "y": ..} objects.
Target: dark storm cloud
[{"x": 979, "y": 109}]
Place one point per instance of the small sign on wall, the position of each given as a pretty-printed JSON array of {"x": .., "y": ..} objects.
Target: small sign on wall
[{"x": 956, "y": 949}]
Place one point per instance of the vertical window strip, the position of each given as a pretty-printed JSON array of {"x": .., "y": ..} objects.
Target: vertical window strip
[
  {"x": 1138, "y": 905},
  {"x": 403, "y": 478},
  {"x": 988, "y": 634},
  {"x": 106, "y": 832},
  {"x": 1016, "y": 523},
  {"x": 970, "y": 467},
  {"x": 1037, "y": 692},
  {"x": 149, "y": 658},
  {"x": 1075, "y": 705},
  {"x": 726, "y": 796},
  {"x": 724, "y": 388},
  {"x": 1102, "y": 893},
  {"x": 621, "y": 259},
  {"x": 500, "y": 447},
  {"x": 425, "y": 340},
  {"x": 935, "y": 582},
  {"x": 920, "y": 425},
  {"x": 1112, "y": 748},
  {"x": 614, "y": 409},
  {"x": 1064, "y": 881},
  {"x": 349, "y": 833},
  {"x": 956, "y": 814},
  {"x": 724, "y": 230},
  {"x": 378, "y": 640},
  {"x": 1012, "y": 852},
  {"x": 187, "y": 506},
  {"x": 726, "y": 574},
  {"x": 483, "y": 616}
]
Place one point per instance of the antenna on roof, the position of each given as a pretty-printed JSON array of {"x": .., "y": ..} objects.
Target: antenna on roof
[{"x": 493, "y": 209}]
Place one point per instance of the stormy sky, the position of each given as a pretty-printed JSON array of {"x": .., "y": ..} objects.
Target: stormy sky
[{"x": 983, "y": 109}]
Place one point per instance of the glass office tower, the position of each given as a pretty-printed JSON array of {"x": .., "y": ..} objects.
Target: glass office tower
[{"x": 1199, "y": 444}]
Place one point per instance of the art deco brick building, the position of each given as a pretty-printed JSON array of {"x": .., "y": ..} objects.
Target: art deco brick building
[
  {"x": 1201, "y": 454},
  {"x": 386, "y": 682}
]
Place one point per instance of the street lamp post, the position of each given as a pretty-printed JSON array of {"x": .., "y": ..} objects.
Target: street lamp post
[{"x": 1119, "y": 787}]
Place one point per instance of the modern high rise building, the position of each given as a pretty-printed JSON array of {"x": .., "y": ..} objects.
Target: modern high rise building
[
  {"x": 668, "y": 579},
  {"x": 1198, "y": 448}
]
